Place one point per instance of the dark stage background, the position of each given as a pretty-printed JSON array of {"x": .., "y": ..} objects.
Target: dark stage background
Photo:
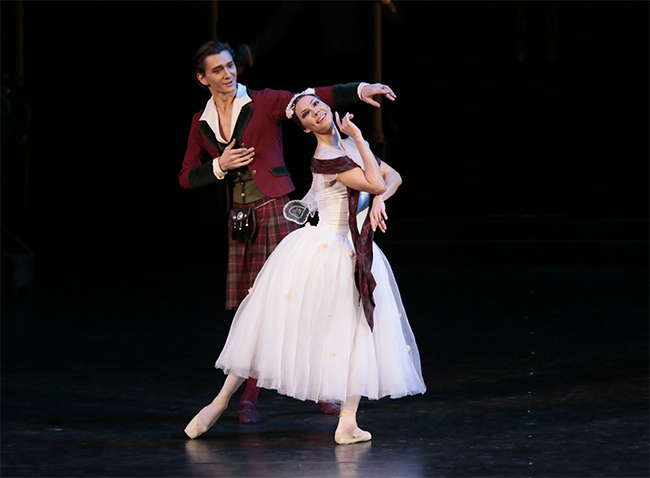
[
  {"x": 474, "y": 131},
  {"x": 514, "y": 120},
  {"x": 519, "y": 238}
]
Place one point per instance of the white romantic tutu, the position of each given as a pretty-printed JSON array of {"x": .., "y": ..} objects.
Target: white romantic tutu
[{"x": 302, "y": 331}]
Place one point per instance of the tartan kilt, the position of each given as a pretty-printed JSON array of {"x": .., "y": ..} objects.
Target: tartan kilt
[{"x": 246, "y": 259}]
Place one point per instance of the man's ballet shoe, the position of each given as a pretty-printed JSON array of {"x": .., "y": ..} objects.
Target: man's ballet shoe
[
  {"x": 248, "y": 413},
  {"x": 194, "y": 428},
  {"x": 361, "y": 436},
  {"x": 329, "y": 408}
]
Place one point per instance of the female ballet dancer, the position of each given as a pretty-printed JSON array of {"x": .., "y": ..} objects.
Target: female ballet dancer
[{"x": 324, "y": 320}]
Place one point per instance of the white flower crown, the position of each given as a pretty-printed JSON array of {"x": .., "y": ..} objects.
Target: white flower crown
[{"x": 289, "y": 110}]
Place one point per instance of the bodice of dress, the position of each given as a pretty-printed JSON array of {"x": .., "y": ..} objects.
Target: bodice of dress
[
  {"x": 333, "y": 208},
  {"x": 333, "y": 200}
]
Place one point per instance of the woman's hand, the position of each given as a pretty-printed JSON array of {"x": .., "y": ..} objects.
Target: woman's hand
[
  {"x": 378, "y": 216},
  {"x": 348, "y": 127},
  {"x": 368, "y": 178},
  {"x": 235, "y": 158}
]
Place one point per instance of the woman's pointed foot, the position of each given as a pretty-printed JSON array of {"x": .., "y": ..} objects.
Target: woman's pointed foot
[
  {"x": 195, "y": 428},
  {"x": 207, "y": 417},
  {"x": 358, "y": 437}
]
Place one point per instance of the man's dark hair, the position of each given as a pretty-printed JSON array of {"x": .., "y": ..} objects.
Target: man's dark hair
[{"x": 212, "y": 47}]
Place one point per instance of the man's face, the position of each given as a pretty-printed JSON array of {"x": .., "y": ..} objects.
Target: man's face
[{"x": 220, "y": 74}]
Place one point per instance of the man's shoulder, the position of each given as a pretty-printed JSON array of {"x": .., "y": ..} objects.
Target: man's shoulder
[
  {"x": 197, "y": 116},
  {"x": 267, "y": 93}
]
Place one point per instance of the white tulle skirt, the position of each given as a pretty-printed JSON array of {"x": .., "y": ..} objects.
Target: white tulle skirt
[{"x": 301, "y": 329}]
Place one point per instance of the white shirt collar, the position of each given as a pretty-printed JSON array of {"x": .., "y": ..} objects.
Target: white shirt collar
[{"x": 212, "y": 118}]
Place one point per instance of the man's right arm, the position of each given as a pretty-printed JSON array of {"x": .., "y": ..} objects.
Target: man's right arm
[{"x": 198, "y": 168}]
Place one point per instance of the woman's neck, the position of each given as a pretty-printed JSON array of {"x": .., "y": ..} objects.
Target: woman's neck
[{"x": 329, "y": 140}]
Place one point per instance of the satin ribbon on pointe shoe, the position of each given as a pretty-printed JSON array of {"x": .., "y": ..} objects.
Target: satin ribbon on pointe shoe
[{"x": 349, "y": 414}]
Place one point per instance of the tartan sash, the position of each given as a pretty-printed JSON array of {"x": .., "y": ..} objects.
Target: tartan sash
[{"x": 362, "y": 241}]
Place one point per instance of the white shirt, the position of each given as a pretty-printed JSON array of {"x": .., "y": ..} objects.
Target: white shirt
[{"x": 211, "y": 116}]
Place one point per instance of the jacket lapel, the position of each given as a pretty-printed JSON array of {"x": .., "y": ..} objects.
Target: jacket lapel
[
  {"x": 242, "y": 121},
  {"x": 204, "y": 127}
]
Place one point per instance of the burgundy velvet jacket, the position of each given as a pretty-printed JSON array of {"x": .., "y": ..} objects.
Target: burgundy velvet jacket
[{"x": 258, "y": 125}]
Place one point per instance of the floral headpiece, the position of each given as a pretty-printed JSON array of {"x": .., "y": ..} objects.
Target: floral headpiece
[{"x": 292, "y": 104}]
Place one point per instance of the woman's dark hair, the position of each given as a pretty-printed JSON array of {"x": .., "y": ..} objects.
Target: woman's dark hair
[{"x": 212, "y": 47}]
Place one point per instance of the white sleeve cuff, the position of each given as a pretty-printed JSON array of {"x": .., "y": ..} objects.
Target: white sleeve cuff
[
  {"x": 217, "y": 170},
  {"x": 359, "y": 88}
]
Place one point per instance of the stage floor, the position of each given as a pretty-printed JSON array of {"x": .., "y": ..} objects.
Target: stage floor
[{"x": 535, "y": 358}]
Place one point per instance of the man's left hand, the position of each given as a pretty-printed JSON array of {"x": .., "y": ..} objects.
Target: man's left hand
[
  {"x": 368, "y": 91},
  {"x": 378, "y": 216}
]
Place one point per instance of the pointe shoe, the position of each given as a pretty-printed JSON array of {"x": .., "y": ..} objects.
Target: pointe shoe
[
  {"x": 194, "y": 428},
  {"x": 248, "y": 413},
  {"x": 360, "y": 436},
  {"x": 329, "y": 408}
]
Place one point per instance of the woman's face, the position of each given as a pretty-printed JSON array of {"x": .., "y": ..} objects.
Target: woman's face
[{"x": 314, "y": 115}]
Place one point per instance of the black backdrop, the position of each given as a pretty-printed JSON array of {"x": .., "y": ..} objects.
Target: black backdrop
[{"x": 475, "y": 131}]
